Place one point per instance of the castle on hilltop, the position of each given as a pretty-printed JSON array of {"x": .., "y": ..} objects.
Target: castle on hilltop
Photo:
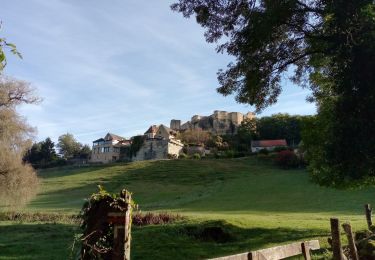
[{"x": 220, "y": 122}]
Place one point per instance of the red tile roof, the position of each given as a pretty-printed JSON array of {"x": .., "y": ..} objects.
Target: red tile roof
[{"x": 269, "y": 143}]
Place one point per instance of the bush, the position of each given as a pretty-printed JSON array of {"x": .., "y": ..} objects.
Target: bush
[
  {"x": 196, "y": 156},
  {"x": 287, "y": 159},
  {"x": 280, "y": 148},
  {"x": 183, "y": 156},
  {"x": 263, "y": 151},
  {"x": 150, "y": 218},
  {"x": 172, "y": 156},
  {"x": 229, "y": 154}
]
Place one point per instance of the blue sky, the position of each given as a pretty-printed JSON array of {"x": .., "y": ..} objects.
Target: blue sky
[{"x": 118, "y": 66}]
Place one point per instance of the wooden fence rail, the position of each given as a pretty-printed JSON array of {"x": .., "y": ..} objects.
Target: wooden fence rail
[{"x": 277, "y": 252}]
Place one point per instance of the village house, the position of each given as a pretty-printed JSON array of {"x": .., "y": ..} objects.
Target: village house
[
  {"x": 107, "y": 149},
  {"x": 160, "y": 143},
  {"x": 269, "y": 145}
]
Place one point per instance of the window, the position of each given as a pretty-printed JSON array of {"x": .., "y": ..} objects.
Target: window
[{"x": 106, "y": 150}]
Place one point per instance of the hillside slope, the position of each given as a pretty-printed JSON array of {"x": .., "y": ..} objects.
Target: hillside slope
[{"x": 257, "y": 203}]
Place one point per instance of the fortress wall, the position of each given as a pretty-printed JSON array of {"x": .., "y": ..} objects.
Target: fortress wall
[
  {"x": 236, "y": 118},
  {"x": 220, "y": 115},
  {"x": 175, "y": 124}
]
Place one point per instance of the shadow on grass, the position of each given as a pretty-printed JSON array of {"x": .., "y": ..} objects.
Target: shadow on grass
[
  {"x": 182, "y": 240},
  {"x": 35, "y": 241},
  {"x": 209, "y": 239}
]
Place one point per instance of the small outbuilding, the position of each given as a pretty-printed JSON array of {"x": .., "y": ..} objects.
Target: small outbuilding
[{"x": 269, "y": 145}]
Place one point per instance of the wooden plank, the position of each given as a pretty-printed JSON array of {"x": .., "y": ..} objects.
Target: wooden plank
[
  {"x": 280, "y": 252},
  {"x": 243, "y": 256},
  {"x": 274, "y": 253}
]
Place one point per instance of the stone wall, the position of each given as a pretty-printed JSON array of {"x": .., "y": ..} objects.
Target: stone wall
[
  {"x": 220, "y": 122},
  {"x": 154, "y": 149}
]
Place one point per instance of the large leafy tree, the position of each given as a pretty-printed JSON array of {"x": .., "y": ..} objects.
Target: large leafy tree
[
  {"x": 326, "y": 45},
  {"x": 68, "y": 146}
]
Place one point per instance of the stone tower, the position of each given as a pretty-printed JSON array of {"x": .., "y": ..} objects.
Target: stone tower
[{"x": 175, "y": 124}]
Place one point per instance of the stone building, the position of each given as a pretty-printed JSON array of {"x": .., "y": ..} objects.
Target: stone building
[
  {"x": 107, "y": 149},
  {"x": 160, "y": 143},
  {"x": 219, "y": 123}
]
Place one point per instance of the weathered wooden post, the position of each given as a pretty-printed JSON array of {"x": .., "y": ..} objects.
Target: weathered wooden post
[
  {"x": 353, "y": 249},
  {"x": 305, "y": 251},
  {"x": 121, "y": 229},
  {"x": 368, "y": 212},
  {"x": 336, "y": 242}
]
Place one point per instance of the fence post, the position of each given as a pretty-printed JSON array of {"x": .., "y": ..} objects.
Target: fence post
[
  {"x": 368, "y": 211},
  {"x": 121, "y": 229},
  {"x": 305, "y": 251},
  {"x": 353, "y": 249},
  {"x": 336, "y": 242}
]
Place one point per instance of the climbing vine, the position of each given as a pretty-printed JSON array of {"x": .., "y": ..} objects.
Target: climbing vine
[{"x": 97, "y": 238}]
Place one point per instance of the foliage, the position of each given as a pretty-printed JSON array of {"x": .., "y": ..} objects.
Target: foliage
[
  {"x": 330, "y": 47},
  {"x": 97, "y": 238},
  {"x": 246, "y": 132},
  {"x": 68, "y": 146},
  {"x": 183, "y": 156},
  {"x": 84, "y": 152},
  {"x": 196, "y": 156},
  {"x": 263, "y": 151},
  {"x": 287, "y": 159},
  {"x": 18, "y": 181},
  {"x": 280, "y": 126},
  {"x": 152, "y": 218},
  {"x": 137, "y": 142},
  {"x": 4, "y": 44},
  {"x": 194, "y": 136},
  {"x": 43, "y": 155}
]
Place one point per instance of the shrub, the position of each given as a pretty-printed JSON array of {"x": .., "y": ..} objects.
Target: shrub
[
  {"x": 287, "y": 159},
  {"x": 280, "y": 148},
  {"x": 196, "y": 156},
  {"x": 229, "y": 154},
  {"x": 263, "y": 151},
  {"x": 172, "y": 156},
  {"x": 183, "y": 156},
  {"x": 150, "y": 218}
]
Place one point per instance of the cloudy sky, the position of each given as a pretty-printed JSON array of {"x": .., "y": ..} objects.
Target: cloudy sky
[{"x": 117, "y": 66}]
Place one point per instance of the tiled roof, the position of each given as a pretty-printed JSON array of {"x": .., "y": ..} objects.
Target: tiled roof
[
  {"x": 115, "y": 137},
  {"x": 152, "y": 129},
  {"x": 99, "y": 140},
  {"x": 268, "y": 143}
]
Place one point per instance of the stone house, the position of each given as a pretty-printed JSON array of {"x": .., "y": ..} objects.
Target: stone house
[
  {"x": 107, "y": 149},
  {"x": 269, "y": 145},
  {"x": 160, "y": 143}
]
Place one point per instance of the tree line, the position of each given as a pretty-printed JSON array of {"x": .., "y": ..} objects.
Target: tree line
[{"x": 44, "y": 155}]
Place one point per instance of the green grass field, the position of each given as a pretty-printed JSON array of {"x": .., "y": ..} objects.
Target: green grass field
[{"x": 257, "y": 204}]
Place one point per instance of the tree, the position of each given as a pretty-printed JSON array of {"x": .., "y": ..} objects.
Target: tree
[
  {"x": 18, "y": 181},
  {"x": 85, "y": 152},
  {"x": 42, "y": 154},
  {"x": 280, "y": 126},
  {"x": 68, "y": 146},
  {"x": 195, "y": 136},
  {"x": 327, "y": 46}
]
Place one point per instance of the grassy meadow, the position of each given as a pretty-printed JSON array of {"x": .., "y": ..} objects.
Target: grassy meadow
[{"x": 255, "y": 203}]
